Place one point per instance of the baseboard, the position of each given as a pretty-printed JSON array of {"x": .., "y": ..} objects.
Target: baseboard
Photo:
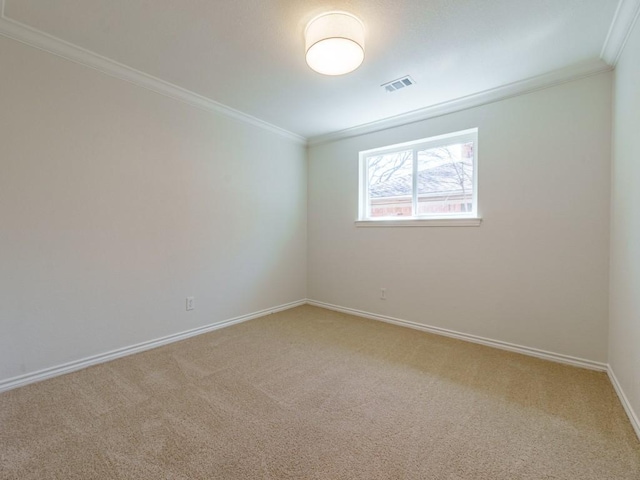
[
  {"x": 44, "y": 374},
  {"x": 633, "y": 418},
  {"x": 51, "y": 372},
  {"x": 533, "y": 352}
]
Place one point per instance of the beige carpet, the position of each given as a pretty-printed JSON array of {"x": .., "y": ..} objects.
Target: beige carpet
[{"x": 310, "y": 393}]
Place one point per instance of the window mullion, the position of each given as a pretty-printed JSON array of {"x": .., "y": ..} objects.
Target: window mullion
[
  {"x": 414, "y": 188},
  {"x": 364, "y": 198}
]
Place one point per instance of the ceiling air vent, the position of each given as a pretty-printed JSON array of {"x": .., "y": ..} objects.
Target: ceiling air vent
[{"x": 394, "y": 85}]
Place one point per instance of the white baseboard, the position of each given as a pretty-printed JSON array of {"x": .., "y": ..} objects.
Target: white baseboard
[
  {"x": 633, "y": 418},
  {"x": 533, "y": 352},
  {"x": 44, "y": 374},
  {"x": 51, "y": 372}
]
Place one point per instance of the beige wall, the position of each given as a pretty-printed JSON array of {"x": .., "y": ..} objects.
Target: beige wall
[
  {"x": 624, "y": 342},
  {"x": 116, "y": 203},
  {"x": 535, "y": 273}
]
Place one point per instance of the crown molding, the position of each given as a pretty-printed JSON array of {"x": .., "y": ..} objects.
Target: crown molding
[
  {"x": 43, "y": 41},
  {"x": 623, "y": 22},
  {"x": 568, "y": 74},
  {"x": 624, "y": 19}
]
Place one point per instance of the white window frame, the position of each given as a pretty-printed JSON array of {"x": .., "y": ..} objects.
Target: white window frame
[{"x": 471, "y": 218}]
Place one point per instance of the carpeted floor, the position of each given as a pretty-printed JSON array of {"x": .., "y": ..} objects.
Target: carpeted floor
[{"x": 313, "y": 394}]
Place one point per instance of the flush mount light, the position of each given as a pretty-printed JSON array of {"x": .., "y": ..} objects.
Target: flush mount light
[{"x": 334, "y": 43}]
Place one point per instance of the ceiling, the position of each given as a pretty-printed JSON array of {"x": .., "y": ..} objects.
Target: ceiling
[{"x": 249, "y": 54}]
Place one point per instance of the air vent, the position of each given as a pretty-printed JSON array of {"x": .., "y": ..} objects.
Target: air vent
[{"x": 394, "y": 85}]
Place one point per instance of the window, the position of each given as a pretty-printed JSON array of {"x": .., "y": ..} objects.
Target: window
[{"x": 429, "y": 181}]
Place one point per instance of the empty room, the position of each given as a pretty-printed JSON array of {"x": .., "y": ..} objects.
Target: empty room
[{"x": 320, "y": 239}]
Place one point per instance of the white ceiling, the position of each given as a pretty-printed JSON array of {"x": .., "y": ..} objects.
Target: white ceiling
[{"x": 249, "y": 54}]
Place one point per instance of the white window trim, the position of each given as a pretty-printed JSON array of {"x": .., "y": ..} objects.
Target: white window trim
[
  {"x": 463, "y": 220},
  {"x": 422, "y": 222}
]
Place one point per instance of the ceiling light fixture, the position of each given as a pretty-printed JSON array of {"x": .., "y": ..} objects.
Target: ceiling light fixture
[{"x": 334, "y": 43}]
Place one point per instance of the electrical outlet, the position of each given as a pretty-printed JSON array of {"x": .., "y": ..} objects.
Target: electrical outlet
[
  {"x": 383, "y": 294},
  {"x": 190, "y": 303}
]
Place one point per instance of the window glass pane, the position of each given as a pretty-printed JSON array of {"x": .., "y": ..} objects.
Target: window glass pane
[
  {"x": 445, "y": 179},
  {"x": 390, "y": 184}
]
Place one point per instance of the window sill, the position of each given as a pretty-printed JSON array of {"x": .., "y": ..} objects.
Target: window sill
[{"x": 422, "y": 222}]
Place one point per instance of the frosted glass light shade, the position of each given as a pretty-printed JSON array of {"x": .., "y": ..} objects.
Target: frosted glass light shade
[{"x": 334, "y": 43}]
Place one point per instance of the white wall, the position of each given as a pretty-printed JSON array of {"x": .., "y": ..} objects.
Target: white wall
[
  {"x": 535, "y": 273},
  {"x": 624, "y": 343},
  {"x": 116, "y": 203}
]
